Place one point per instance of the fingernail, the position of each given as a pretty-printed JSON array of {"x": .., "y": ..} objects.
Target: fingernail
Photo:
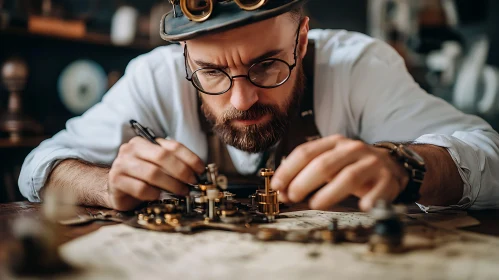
[
  {"x": 282, "y": 198},
  {"x": 276, "y": 184},
  {"x": 365, "y": 205},
  {"x": 312, "y": 204}
]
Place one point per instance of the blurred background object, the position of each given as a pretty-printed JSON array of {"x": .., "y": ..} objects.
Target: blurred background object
[
  {"x": 13, "y": 121},
  {"x": 450, "y": 47},
  {"x": 124, "y": 25},
  {"x": 73, "y": 56}
]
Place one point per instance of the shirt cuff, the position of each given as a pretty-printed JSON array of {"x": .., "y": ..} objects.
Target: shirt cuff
[
  {"x": 462, "y": 155},
  {"x": 37, "y": 168}
]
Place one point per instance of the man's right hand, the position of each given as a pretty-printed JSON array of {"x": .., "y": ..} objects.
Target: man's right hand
[{"x": 142, "y": 169}]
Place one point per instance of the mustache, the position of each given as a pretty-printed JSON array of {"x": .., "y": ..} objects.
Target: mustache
[
  {"x": 260, "y": 137},
  {"x": 254, "y": 112}
]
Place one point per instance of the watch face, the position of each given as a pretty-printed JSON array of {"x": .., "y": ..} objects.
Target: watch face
[{"x": 412, "y": 155}]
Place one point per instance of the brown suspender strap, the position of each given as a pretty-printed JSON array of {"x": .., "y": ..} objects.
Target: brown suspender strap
[
  {"x": 302, "y": 128},
  {"x": 309, "y": 70}
]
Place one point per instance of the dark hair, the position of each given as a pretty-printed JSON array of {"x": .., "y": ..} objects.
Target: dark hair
[{"x": 296, "y": 14}]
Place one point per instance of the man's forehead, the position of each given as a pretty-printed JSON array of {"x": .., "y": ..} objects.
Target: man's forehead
[{"x": 250, "y": 40}]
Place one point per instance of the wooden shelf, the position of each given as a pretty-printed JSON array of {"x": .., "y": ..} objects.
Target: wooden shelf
[
  {"x": 89, "y": 38},
  {"x": 28, "y": 142}
]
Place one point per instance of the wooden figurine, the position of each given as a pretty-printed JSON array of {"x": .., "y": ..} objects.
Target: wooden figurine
[{"x": 13, "y": 121}]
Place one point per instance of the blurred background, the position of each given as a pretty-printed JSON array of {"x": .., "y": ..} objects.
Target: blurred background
[{"x": 59, "y": 57}]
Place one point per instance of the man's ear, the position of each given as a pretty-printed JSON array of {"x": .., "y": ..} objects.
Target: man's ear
[{"x": 303, "y": 43}]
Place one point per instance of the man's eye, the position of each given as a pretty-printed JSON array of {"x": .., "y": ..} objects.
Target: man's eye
[
  {"x": 267, "y": 64},
  {"x": 213, "y": 73}
]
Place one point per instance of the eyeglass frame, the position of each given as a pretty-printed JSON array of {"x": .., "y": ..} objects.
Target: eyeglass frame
[{"x": 247, "y": 76}]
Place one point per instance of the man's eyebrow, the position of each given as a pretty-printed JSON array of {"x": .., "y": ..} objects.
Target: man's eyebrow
[
  {"x": 271, "y": 53},
  {"x": 266, "y": 55}
]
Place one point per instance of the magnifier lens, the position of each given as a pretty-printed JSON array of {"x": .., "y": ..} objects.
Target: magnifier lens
[
  {"x": 197, "y": 10},
  {"x": 250, "y": 4}
]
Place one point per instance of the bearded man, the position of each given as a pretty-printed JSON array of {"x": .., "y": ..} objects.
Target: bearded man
[{"x": 247, "y": 86}]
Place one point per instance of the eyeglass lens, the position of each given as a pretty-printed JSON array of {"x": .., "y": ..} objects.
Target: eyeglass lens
[{"x": 267, "y": 74}]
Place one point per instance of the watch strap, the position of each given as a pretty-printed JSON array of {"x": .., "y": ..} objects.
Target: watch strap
[{"x": 410, "y": 194}]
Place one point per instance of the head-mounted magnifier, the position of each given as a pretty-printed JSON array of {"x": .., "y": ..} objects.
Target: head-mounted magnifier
[
  {"x": 201, "y": 10},
  {"x": 192, "y": 18}
]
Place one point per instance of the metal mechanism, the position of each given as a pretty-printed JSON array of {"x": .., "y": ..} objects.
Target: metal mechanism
[
  {"x": 208, "y": 205},
  {"x": 266, "y": 200},
  {"x": 388, "y": 231}
]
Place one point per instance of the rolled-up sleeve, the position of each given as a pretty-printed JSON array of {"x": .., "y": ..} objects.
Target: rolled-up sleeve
[
  {"x": 96, "y": 135},
  {"x": 38, "y": 165},
  {"x": 475, "y": 153},
  {"x": 388, "y": 105}
]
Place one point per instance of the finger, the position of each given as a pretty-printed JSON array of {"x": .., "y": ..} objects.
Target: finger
[
  {"x": 363, "y": 190},
  {"x": 136, "y": 188},
  {"x": 386, "y": 188},
  {"x": 320, "y": 171},
  {"x": 160, "y": 156},
  {"x": 152, "y": 175},
  {"x": 283, "y": 197},
  {"x": 173, "y": 167},
  {"x": 347, "y": 181},
  {"x": 184, "y": 154},
  {"x": 123, "y": 202},
  {"x": 299, "y": 158}
]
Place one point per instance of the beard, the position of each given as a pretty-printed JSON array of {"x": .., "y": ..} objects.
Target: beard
[{"x": 258, "y": 137}]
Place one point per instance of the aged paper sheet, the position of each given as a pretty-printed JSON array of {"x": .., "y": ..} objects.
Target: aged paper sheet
[{"x": 123, "y": 252}]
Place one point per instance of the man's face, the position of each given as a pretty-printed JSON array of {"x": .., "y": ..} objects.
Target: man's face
[{"x": 248, "y": 117}]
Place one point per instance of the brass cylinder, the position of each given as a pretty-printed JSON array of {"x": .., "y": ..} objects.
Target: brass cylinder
[
  {"x": 266, "y": 200},
  {"x": 268, "y": 204},
  {"x": 267, "y": 174}
]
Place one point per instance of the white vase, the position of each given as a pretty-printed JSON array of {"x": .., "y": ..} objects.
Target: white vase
[{"x": 124, "y": 25}]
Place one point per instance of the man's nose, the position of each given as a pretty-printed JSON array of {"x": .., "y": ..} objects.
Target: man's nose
[{"x": 243, "y": 93}]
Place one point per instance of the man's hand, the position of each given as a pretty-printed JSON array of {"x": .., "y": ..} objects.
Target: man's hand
[
  {"x": 338, "y": 167},
  {"x": 142, "y": 169}
]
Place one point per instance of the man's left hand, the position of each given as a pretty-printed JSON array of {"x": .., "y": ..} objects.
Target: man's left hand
[{"x": 336, "y": 167}]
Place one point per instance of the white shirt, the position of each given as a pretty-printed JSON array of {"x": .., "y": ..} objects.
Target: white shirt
[{"x": 362, "y": 90}]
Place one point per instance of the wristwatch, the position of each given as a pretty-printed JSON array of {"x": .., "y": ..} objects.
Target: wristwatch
[{"x": 415, "y": 166}]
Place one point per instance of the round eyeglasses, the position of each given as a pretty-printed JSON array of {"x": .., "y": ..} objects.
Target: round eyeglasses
[{"x": 267, "y": 73}]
